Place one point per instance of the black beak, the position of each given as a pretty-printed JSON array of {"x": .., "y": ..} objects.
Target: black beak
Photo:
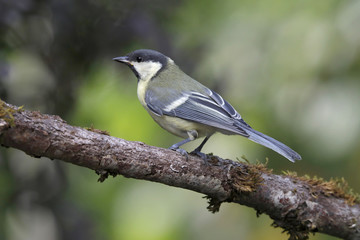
[{"x": 124, "y": 59}]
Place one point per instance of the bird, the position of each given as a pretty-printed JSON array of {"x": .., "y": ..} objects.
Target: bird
[{"x": 187, "y": 108}]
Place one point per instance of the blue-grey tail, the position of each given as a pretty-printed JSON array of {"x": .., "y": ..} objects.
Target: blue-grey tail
[{"x": 273, "y": 144}]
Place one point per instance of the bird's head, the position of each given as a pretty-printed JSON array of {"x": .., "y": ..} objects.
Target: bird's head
[{"x": 145, "y": 63}]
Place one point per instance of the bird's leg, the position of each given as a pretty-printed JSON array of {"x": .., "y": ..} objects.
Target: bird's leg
[
  {"x": 193, "y": 134},
  {"x": 176, "y": 146},
  {"x": 197, "y": 150}
]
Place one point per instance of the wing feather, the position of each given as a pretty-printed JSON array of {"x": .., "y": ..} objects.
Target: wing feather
[{"x": 211, "y": 110}]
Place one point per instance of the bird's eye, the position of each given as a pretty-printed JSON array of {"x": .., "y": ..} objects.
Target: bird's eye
[{"x": 139, "y": 59}]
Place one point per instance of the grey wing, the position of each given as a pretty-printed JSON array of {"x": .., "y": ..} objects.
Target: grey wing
[
  {"x": 224, "y": 104},
  {"x": 211, "y": 110},
  {"x": 227, "y": 107}
]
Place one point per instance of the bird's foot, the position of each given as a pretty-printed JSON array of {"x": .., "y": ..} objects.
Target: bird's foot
[
  {"x": 201, "y": 155},
  {"x": 181, "y": 151}
]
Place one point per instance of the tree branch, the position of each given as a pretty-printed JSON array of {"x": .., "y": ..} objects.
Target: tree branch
[{"x": 299, "y": 205}]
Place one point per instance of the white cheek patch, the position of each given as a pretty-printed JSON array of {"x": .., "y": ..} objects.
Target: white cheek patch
[{"x": 146, "y": 70}]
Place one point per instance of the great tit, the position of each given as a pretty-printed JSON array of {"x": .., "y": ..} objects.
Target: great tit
[{"x": 185, "y": 107}]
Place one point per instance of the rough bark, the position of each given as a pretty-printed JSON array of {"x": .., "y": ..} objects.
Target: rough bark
[{"x": 299, "y": 205}]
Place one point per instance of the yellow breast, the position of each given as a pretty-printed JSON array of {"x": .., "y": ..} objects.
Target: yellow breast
[{"x": 141, "y": 90}]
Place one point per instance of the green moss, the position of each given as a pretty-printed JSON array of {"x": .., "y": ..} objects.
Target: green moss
[
  {"x": 6, "y": 113},
  {"x": 214, "y": 204},
  {"x": 244, "y": 178},
  {"x": 247, "y": 178},
  {"x": 334, "y": 187},
  {"x": 92, "y": 129}
]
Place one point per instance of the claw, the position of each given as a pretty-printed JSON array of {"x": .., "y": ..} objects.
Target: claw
[
  {"x": 201, "y": 155},
  {"x": 181, "y": 151}
]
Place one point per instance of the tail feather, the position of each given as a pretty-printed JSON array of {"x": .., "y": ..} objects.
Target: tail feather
[{"x": 273, "y": 144}]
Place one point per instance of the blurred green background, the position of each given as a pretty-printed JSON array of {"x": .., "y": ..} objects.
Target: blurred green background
[{"x": 291, "y": 68}]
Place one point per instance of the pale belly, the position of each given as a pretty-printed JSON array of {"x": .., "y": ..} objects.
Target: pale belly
[{"x": 181, "y": 127}]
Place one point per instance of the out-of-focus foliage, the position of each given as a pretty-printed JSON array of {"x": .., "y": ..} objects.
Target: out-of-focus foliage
[{"x": 291, "y": 68}]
